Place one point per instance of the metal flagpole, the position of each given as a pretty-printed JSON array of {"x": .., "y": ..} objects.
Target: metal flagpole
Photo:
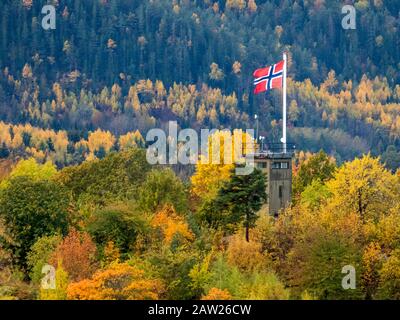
[{"x": 283, "y": 140}]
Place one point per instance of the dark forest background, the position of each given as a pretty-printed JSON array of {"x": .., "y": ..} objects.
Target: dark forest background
[{"x": 127, "y": 65}]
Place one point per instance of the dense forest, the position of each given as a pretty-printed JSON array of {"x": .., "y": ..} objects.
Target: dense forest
[
  {"x": 118, "y": 228},
  {"x": 81, "y": 206},
  {"x": 122, "y": 66}
]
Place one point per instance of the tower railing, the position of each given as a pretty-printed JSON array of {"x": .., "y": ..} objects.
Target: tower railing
[
  {"x": 275, "y": 150},
  {"x": 265, "y": 149},
  {"x": 277, "y": 147}
]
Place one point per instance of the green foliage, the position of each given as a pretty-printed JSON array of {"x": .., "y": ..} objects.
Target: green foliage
[
  {"x": 317, "y": 266},
  {"x": 40, "y": 254},
  {"x": 4, "y": 151},
  {"x": 315, "y": 194},
  {"x": 264, "y": 286},
  {"x": 258, "y": 285},
  {"x": 31, "y": 169},
  {"x": 120, "y": 224},
  {"x": 93, "y": 74},
  {"x": 200, "y": 275},
  {"x": 352, "y": 219},
  {"x": 391, "y": 158},
  {"x": 317, "y": 167},
  {"x": 144, "y": 49},
  {"x": 162, "y": 187},
  {"x": 300, "y": 254},
  {"x": 223, "y": 276},
  {"x": 174, "y": 267},
  {"x": 35, "y": 171},
  {"x": 389, "y": 287},
  {"x": 30, "y": 210},
  {"x": 101, "y": 182},
  {"x": 237, "y": 201}
]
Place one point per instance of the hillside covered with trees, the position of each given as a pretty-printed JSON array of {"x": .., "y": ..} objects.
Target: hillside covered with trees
[
  {"x": 81, "y": 205},
  {"x": 118, "y": 228},
  {"x": 122, "y": 66}
]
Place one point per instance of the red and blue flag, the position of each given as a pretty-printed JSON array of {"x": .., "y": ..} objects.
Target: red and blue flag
[{"x": 269, "y": 77}]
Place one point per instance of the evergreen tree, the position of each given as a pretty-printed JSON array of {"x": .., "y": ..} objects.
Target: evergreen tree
[
  {"x": 4, "y": 152},
  {"x": 240, "y": 199}
]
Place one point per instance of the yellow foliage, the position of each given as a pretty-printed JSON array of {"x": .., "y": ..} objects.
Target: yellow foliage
[
  {"x": 30, "y": 168},
  {"x": 129, "y": 140},
  {"x": 58, "y": 92},
  {"x": 37, "y": 154},
  {"x": 60, "y": 292},
  {"x": 209, "y": 178},
  {"x": 388, "y": 230},
  {"x": 227, "y": 148},
  {"x": 236, "y": 67},
  {"x": 5, "y": 136},
  {"x": 111, "y": 253},
  {"x": 371, "y": 259},
  {"x": 39, "y": 137},
  {"x": 246, "y": 256},
  {"x": 307, "y": 296},
  {"x": 365, "y": 187},
  {"x": 99, "y": 138},
  {"x": 133, "y": 99},
  {"x": 263, "y": 232},
  {"x": 213, "y": 170},
  {"x": 390, "y": 276}
]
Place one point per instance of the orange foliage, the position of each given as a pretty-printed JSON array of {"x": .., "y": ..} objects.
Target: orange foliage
[
  {"x": 77, "y": 253},
  {"x": 217, "y": 294},
  {"x": 170, "y": 224},
  {"x": 119, "y": 282}
]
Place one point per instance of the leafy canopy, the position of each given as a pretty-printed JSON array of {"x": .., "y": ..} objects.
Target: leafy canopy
[{"x": 30, "y": 210}]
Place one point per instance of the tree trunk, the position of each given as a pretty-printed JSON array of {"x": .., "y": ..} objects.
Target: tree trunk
[{"x": 247, "y": 226}]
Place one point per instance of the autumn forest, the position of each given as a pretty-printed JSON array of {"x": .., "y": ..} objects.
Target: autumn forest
[{"x": 78, "y": 195}]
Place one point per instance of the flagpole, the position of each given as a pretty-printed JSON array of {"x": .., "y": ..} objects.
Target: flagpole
[{"x": 283, "y": 140}]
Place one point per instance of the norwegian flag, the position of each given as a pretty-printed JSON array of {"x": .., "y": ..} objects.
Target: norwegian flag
[{"x": 269, "y": 78}]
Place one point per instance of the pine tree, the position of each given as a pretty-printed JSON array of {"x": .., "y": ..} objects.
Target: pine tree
[
  {"x": 241, "y": 198},
  {"x": 4, "y": 152}
]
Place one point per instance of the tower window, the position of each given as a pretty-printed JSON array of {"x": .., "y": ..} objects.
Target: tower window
[
  {"x": 280, "y": 192},
  {"x": 280, "y": 165},
  {"x": 276, "y": 165},
  {"x": 284, "y": 165},
  {"x": 261, "y": 164}
]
